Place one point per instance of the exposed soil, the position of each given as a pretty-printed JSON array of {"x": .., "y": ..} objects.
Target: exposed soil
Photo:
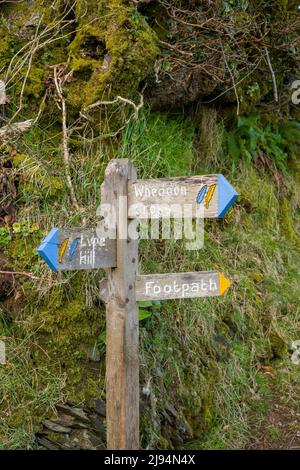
[{"x": 280, "y": 429}]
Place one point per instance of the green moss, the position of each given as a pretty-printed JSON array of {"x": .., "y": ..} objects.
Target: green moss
[
  {"x": 256, "y": 276},
  {"x": 68, "y": 326},
  {"x": 4, "y": 49},
  {"x": 123, "y": 39},
  {"x": 55, "y": 437},
  {"x": 23, "y": 252},
  {"x": 35, "y": 82}
]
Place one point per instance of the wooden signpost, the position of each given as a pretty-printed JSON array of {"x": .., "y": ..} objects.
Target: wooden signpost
[{"x": 66, "y": 249}]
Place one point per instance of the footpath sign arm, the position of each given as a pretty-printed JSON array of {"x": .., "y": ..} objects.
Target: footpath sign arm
[{"x": 181, "y": 285}]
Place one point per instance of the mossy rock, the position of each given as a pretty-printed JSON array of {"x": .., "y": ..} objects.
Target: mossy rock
[
  {"x": 111, "y": 54},
  {"x": 278, "y": 344}
]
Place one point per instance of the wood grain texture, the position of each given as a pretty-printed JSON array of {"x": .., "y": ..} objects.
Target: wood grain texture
[
  {"x": 165, "y": 197},
  {"x": 90, "y": 251},
  {"x": 178, "y": 285},
  {"x": 103, "y": 290},
  {"x": 122, "y": 361}
]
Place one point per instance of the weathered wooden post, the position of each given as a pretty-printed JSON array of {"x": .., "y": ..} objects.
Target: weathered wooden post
[{"x": 122, "y": 356}]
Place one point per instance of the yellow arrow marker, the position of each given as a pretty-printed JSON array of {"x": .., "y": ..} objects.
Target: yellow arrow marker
[
  {"x": 224, "y": 283},
  {"x": 62, "y": 250}
]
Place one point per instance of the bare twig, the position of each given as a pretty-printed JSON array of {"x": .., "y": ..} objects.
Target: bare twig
[
  {"x": 237, "y": 83},
  {"x": 45, "y": 38},
  {"x": 41, "y": 108},
  {"x": 233, "y": 82},
  {"x": 136, "y": 107},
  {"x": 66, "y": 153},
  {"x": 272, "y": 74},
  {"x": 174, "y": 48},
  {"x": 15, "y": 273},
  {"x": 194, "y": 25},
  {"x": 52, "y": 30},
  {"x": 33, "y": 50}
]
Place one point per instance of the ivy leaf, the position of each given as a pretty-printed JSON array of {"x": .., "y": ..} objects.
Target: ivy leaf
[{"x": 143, "y": 314}]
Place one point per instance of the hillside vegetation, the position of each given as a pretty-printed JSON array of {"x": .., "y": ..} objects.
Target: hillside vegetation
[{"x": 181, "y": 88}]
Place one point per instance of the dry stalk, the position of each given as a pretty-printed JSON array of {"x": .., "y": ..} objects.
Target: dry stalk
[
  {"x": 45, "y": 37},
  {"x": 275, "y": 89},
  {"x": 233, "y": 82},
  {"x": 66, "y": 153},
  {"x": 33, "y": 50},
  {"x": 3, "y": 97}
]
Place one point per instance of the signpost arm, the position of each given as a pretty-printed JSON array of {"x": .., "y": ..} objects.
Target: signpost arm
[{"x": 122, "y": 362}]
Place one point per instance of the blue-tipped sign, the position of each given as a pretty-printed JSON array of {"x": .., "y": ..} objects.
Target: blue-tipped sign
[
  {"x": 227, "y": 196},
  {"x": 69, "y": 249},
  {"x": 209, "y": 196},
  {"x": 48, "y": 249}
]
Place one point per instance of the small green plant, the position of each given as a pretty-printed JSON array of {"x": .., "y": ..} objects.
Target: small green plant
[
  {"x": 147, "y": 308},
  {"x": 274, "y": 433},
  {"x": 5, "y": 237},
  {"x": 250, "y": 138},
  {"x": 24, "y": 228},
  {"x": 230, "y": 5},
  {"x": 290, "y": 131}
]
